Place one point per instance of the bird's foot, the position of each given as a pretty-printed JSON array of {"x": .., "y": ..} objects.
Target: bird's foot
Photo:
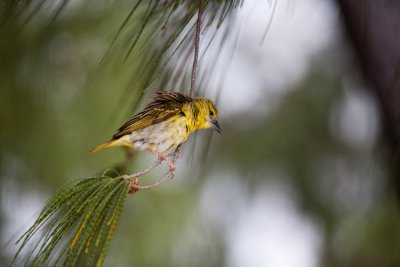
[
  {"x": 165, "y": 158},
  {"x": 133, "y": 188}
]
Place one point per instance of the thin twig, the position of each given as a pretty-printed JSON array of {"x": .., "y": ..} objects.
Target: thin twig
[
  {"x": 274, "y": 3},
  {"x": 141, "y": 173},
  {"x": 196, "y": 48},
  {"x": 134, "y": 187}
]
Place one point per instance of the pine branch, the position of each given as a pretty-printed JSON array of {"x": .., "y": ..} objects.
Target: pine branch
[
  {"x": 79, "y": 220},
  {"x": 196, "y": 48},
  {"x": 83, "y": 214}
]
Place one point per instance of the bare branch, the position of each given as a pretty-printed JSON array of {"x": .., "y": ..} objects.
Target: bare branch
[
  {"x": 134, "y": 182},
  {"x": 136, "y": 187},
  {"x": 141, "y": 173},
  {"x": 175, "y": 155},
  {"x": 196, "y": 48}
]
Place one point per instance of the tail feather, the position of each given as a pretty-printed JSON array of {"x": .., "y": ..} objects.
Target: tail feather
[
  {"x": 123, "y": 141},
  {"x": 108, "y": 144}
]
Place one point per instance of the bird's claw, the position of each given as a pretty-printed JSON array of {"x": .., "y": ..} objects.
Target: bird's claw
[{"x": 133, "y": 188}]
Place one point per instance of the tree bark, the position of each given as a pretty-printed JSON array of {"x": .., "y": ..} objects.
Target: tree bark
[{"x": 373, "y": 27}]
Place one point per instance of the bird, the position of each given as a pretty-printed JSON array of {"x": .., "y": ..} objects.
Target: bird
[{"x": 165, "y": 123}]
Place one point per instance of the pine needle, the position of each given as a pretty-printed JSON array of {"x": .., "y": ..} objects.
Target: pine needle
[{"x": 84, "y": 213}]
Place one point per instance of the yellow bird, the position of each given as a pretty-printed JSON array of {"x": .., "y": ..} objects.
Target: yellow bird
[{"x": 165, "y": 123}]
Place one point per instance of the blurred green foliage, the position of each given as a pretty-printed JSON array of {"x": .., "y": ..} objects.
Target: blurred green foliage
[{"x": 69, "y": 78}]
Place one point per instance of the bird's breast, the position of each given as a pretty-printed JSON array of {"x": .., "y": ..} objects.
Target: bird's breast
[{"x": 161, "y": 137}]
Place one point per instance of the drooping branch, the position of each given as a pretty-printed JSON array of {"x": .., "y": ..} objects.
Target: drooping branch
[
  {"x": 196, "y": 48},
  {"x": 78, "y": 222},
  {"x": 141, "y": 173},
  {"x": 134, "y": 185},
  {"x": 80, "y": 218}
]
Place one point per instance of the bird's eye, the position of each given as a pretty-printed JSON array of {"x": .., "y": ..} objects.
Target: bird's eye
[{"x": 211, "y": 113}]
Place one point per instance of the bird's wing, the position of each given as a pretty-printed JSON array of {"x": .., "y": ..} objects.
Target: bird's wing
[{"x": 162, "y": 107}]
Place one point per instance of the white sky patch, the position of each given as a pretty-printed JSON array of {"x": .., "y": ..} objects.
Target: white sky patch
[
  {"x": 356, "y": 119},
  {"x": 271, "y": 232},
  {"x": 299, "y": 31},
  {"x": 262, "y": 227},
  {"x": 20, "y": 210}
]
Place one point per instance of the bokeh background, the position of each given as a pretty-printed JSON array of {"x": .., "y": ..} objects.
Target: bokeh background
[{"x": 301, "y": 176}]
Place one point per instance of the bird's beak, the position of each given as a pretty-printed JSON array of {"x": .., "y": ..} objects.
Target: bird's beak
[{"x": 215, "y": 125}]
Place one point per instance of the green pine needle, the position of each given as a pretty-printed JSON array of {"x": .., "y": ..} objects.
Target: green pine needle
[{"x": 76, "y": 224}]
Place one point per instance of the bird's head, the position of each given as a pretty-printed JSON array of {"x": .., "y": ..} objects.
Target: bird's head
[{"x": 207, "y": 116}]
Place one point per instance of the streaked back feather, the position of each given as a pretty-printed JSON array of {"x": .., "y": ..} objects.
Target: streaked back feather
[{"x": 163, "y": 106}]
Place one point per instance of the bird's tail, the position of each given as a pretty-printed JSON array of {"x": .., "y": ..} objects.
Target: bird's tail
[
  {"x": 122, "y": 141},
  {"x": 108, "y": 144}
]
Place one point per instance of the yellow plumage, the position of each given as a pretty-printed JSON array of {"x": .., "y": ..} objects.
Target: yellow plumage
[{"x": 166, "y": 122}]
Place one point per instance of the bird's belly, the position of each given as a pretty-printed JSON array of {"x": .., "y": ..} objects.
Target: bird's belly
[{"x": 161, "y": 137}]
